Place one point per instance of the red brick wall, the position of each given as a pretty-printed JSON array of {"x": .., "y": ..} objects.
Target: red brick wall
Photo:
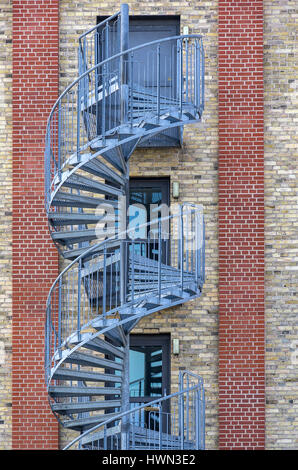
[
  {"x": 35, "y": 261},
  {"x": 241, "y": 226}
]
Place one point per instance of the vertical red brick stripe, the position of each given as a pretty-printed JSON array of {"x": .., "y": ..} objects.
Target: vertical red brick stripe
[
  {"x": 35, "y": 261},
  {"x": 241, "y": 226}
]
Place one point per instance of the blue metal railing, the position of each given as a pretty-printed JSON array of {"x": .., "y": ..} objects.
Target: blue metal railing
[
  {"x": 122, "y": 96},
  {"x": 90, "y": 108},
  {"x": 183, "y": 428},
  {"x": 92, "y": 285}
]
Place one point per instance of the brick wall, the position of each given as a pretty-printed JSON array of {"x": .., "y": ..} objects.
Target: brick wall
[
  {"x": 194, "y": 166},
  {"x": 34, "y": 258},
  {"x": 241, "y": 225},
  {"x": 281, "y": 231},
  {"x": 5, "y": 218}
]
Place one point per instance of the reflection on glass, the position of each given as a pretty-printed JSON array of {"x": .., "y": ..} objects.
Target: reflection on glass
[{"x": 145, "y": 371}]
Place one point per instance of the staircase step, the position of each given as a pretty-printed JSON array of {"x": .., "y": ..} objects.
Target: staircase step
[
  {"x": 75, "y": 236},
  {"x": 64, "y": 373},
  {"x": 56, "y": 391},
  {"x": 100, "y": 345},
  {"x": 98, "y": 168},
  {"x": 86, "y": 184},
  {"x": 76, "y": 200},
  {"x": 87, "y": 423},
  {"x": 92, "y": 361},
  {"x": 116, "y": 334},
  {"x": 76, "y": 218},
  {"x": 81, "y": 407}
]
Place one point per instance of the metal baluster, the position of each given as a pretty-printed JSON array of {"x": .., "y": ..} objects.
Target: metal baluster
[
  {"x": 103, "y": 107},
  {"x": 104, "y": 284},
  {"x": 181, "y": 77},
  {"x": 79, "y": 300},
  {"x": 203, "y": 75},
  {"x": 78, "y": 119},
  {"x": 158, "y": 82},
  {"x": 160, "y": 426},
  {"x": 181, "y": 250},
  {"x": 131, "y": 90},
  {"x": 186, "y": 69},
  {"x": 159, "y": 260}
]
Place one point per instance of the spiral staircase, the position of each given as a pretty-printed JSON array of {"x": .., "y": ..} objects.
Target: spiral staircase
[{"x": 115, "y": 273}]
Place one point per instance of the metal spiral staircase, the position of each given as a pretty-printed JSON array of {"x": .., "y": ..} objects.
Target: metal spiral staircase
[{"x": 117, "y": 273}]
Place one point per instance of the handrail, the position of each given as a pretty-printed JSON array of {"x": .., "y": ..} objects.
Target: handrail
[
  {"x": 195, "y": 270},
  {"x": 126, "y": 413},
  {"x": 98, "y": 25},
  {"x": 116, "y": 56},
  {"x": 118, "y": 101},
  {"x": 75, "y": 121},
  {"x": 113, "y": 239}
]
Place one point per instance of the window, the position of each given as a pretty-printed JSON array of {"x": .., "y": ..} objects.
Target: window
[
  {"x": 150, "y": 192},
  {"x": 149, "y": 374}
]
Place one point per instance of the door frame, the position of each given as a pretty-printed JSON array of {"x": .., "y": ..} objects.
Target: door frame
[{"x": 164, "y": 341}]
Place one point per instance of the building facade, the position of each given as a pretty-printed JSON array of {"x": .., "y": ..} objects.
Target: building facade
[{"x": 239, "y": 163}]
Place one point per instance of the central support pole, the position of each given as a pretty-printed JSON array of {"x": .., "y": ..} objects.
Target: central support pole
[
  {"x": 124, "y": 39},
  {"x": 125, "y": 398}
]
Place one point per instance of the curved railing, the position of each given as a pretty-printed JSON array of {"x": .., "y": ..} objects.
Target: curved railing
[
  {"x": 105, "y": 278},
  {"x": 138, "y": 84},
  {"x": 119, "y": 273},
  {"x": 100, "y": 42},
  {"x": 172, "y": 422}
]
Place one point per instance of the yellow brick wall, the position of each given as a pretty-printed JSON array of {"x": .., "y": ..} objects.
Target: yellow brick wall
[
  {"x": 281, "y": 226},
  {"x": 5, "y": 221},
  {"x": 194, "y": 166}
]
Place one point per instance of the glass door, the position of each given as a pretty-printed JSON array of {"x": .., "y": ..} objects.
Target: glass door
[
  {"x": 151, "y": 199},
  {"x": 149, "y": 377}
]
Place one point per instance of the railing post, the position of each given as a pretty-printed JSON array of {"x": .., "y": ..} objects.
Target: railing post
[
  {"x": 132, "y": 273},
  {"x": 79, "y": 300},
  {"x": 59, "y": 316},
  {"x": 59, "y": 139},
  {"x": 197, "y": 418},
  {"x": 103, "y": 106},
  {"x": 186, "y": 69},
  {"x": 197, "y": 76},
  {"x": 160, "y": 425},
  {"x": 125, "y": 424},
  {"x": 181, "y": 77},
  {"x": 104, "y": 287},
  {"x": 158, "y": 82},
  {"x": 203, "y": 250},
  {"x": 181, "y": 415},
  {"x": 159, "y": 259},
  {"x": 122, "y": 272},
  {"x": 79, "y": 104},
  {"x": 131, "y": 90},
  {"x": 203, "y": 75},
  {"x": 124, "y": 33},
  {"x": 181, "y": 243},
  {"x": 47, "y": 343},
  {"x": 196, "y": 65}
]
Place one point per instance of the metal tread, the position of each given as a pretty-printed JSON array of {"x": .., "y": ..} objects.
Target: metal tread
[
  {"x": 76, "y": 218},
  {"x": 64, "y": 373},
  {"x": 64, "y": 391},
  {"x": 92, "y": 361},
  {"x": 77, "y": 200},
  {"x": 81, "y": 424},
  {"x": 99, "y": 345},
  {"x": 64, "y": 408}
]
